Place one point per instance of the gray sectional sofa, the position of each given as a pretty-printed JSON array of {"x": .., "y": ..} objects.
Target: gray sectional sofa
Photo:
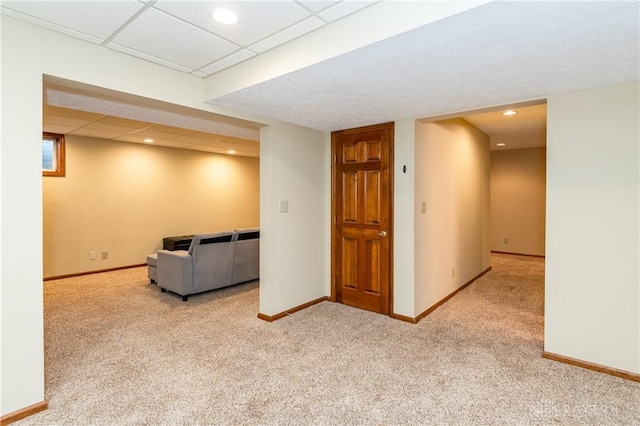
[{"x": 213, "y": 261}]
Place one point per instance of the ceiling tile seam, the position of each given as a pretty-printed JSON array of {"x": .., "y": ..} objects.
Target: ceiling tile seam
[
  {"x": 143, "y": 9},
  {"x": 49, "y": 24},
  {"x": 306, "y": 18},
  {"x": 312, "y": 13},
  {"x": 146, "y": 57},
  {"x": 98, "y": 121},
  {"x": 248, "y": 47},
  {"x": 196, "y": 26},
  {"x": 225, "y": 57}
]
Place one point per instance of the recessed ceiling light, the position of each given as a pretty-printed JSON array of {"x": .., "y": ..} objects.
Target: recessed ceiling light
[
  {"x": 225, "y": 17},
  {"x": 148, "y": 140},
  {"x": 510, "y": 112},
  {"x": 231, "y": 151},
  {"x": 501, "y": 144}
]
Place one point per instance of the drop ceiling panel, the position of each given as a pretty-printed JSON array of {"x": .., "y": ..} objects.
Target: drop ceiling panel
[
  {"x": 131, "y": 138},
  {"x": 343, "y": 9},
  {"x": 172, "y": 130},
  {"x": 170, "y": 143},
  {"x": 171, "y": 39},
  {"x": 182, "y": 35},
  {"x": 227, "y": 61},
  {"x": 200, "y": 140},
  {"x": 317, "y": 5},
  {"x": 242, "y": 143},
  {"x": 150, "y": 58},
  {"x": 66, "y": 112},
  {"x": 95, "y": 18},
  {"x": 294, "y": 31},
  {"x": 258, "y": 19},
  {"x": 64, "y": 121},
  {"x": 136, "y": 131},
  {"x": 238, "y": 152},
  {"x": 58, "y": 128},
  {"x": 125, "y": 122},
  {"x": 92, "y": 133},
  {"x": 100, "y": 125},
  {"x": 209, "y": 136}
]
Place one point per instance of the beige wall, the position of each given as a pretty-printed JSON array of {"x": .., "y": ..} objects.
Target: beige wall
[
  {"x": 295, "y": 245},
  {"x": 518, "y": 186},
  {"x": 592, "y": 283},
  {"x": 452, "y": 236},
  {"x": 29, "y": 52},
  {"x": 124, "y": 198}
]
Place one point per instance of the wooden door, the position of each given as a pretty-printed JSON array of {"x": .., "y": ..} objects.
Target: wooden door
[{"x": 362, "y": 217}]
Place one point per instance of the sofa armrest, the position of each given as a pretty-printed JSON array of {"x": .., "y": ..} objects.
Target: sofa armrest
[{"x": 175, "y": 271}]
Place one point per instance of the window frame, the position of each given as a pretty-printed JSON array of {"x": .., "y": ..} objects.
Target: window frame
[{"x": 59, "y": 152}]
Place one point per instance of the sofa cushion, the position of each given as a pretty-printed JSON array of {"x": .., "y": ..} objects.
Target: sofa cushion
[
  {"x": 246, "y": 265},
  {"x": 152, "y": 260}
]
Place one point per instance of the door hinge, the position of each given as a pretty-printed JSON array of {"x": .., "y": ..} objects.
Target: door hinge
[{"x": 335, "y": 220}]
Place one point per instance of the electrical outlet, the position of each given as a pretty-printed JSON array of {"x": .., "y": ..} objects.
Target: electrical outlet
[
  {"x": 105, "y": 254},
  {"x": 453, "y": 272},
  {"x": 505, "y": 240},
  {"x": 424, "y": 207},
  {"x": 92, "y": 255},
  {"x": 284, "y": 206}
]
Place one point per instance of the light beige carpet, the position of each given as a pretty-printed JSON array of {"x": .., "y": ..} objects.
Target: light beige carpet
[{"x": 119, "y": 352}]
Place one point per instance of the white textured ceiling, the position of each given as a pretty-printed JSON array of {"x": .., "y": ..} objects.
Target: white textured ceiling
[
  {"x": 503, "y": 52},
  {"x": 500, "y": 53}
]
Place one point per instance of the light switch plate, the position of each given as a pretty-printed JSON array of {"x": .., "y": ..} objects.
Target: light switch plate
[{"x": 284, "y": 206}]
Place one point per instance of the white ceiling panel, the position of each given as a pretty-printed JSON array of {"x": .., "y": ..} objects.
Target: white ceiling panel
[
  {"x": 51, "y": 26},
  {"x": 150, "y": 58},
  {"x": 258, "y": 19},
  {"x": 317, "y": 5},
  {"x": 343, "y": 9},
  {"x": 226, "y": 62},
  {"x": 294, "y": 31},
  {"x": 181, "y": 34},
  {"x": 168, "y": 38},
  {"x": 94, "y": 18}
]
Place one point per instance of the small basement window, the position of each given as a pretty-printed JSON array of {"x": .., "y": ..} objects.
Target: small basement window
[{"x": 53, "y": 154}]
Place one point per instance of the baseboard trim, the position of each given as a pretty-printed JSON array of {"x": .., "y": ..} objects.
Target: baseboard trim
[
  {"x": 441, "y": 301},
  {"x": 542, "y": 256},
  {"x": 79, "y": 274},
  {"x": 271, "y": 318},
  {"x": 25, "y": 412},
  {"x": 591, "y": 366},
  {"x": 404, "y": 318}
]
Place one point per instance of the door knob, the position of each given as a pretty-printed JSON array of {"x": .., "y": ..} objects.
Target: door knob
[{"x": 382, "y": 234}]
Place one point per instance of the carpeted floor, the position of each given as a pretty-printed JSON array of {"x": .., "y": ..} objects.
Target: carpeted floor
[{"x": 119, "y": 352}]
